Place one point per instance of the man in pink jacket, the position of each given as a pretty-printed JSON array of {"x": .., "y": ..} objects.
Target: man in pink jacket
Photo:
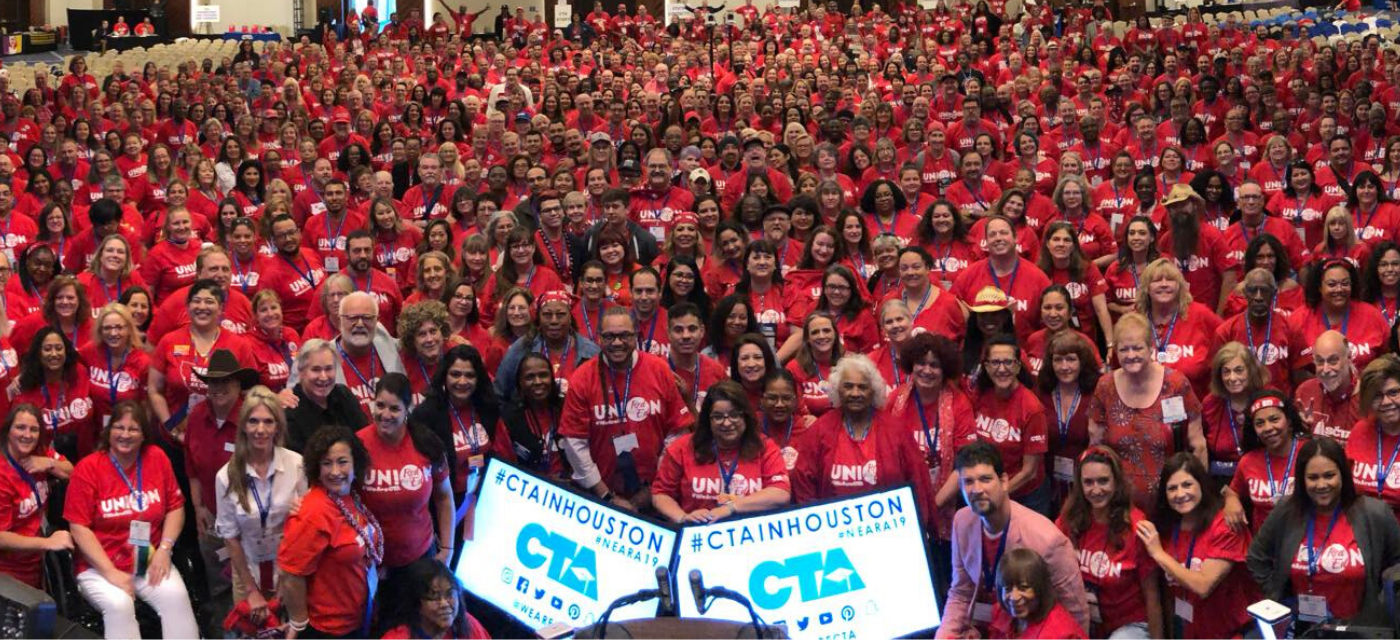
[{"x": 986, "y": 529}]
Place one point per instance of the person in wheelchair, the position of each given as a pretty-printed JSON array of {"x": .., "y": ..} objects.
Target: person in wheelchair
[
  {"x": 24, "y": 492},
  {"x": 125, "y": 510}
]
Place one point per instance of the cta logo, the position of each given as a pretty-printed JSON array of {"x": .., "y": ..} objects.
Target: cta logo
[
  {"x": 570, "y": 564},
  {"x": 817, "y": 575}
]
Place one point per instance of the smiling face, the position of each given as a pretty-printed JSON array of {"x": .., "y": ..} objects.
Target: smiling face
[
  {"x": 25, "y": 431},
  {"x": 261, "y": 429},
  {"x": 727, "y": 424},
  {"x": 390, "y": 414},
  {"x": 1132, "y": 349},
  {"x": 751, "y": 364},
  {"x": 1323, "y": 481},
  {"x": 125, "y": 436},
  {"x": 1336, "y": 287},
  {"x": 1183, "y": 492},
  {"x": 338, "y": 469}
]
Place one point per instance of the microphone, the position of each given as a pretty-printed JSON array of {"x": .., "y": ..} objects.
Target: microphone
[
  {"x": 697, "y": 589},
  {"x": 663, "y": 593}
]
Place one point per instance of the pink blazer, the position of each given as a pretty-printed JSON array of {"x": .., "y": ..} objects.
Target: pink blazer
[{"x": 1028, "y": 529}]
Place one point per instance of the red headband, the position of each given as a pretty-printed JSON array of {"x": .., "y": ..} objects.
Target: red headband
[
  {"x": 557, "y": 295},
  {"x": 685, "y": 217},
  {"x": 1266, "y": 402}
]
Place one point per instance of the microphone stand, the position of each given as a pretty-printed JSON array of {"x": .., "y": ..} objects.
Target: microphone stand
[
  {"x": 600, "y": 628},
  {"x": 721, "y": 593}
]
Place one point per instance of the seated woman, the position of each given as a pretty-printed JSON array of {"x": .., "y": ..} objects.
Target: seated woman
[
  {"x": 24, "y": 492},
  {"x": 126, "y": 511},
  {"x": 723, "y": 468},
  {"x": 428, "y": 603},
  {"x": 1026, "y": 605}
]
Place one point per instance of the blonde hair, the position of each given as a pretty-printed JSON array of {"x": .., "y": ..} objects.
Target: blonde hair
[
  {"x": 1157, "y": 270},
  {"x": 95, "y": 264},
  {"x": 1134, "y": 321},
  {"x": 257, "y": 397},
  {"x": 133, "y": 339}
]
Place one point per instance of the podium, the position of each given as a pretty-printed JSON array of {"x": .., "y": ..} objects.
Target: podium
[{"x": 681, "y": 629}]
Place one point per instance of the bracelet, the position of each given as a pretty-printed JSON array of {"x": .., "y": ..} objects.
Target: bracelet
[
  {"x": 608, "y": 496},
  {"x": 298, "y": 625},
  {"x": 167, "y": 544}
]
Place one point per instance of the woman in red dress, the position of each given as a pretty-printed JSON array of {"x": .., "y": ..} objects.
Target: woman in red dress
[{"x": 1144, "y": 411}]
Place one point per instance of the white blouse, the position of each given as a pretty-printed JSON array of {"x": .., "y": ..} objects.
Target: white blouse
[{"x": 286, "y": 482}]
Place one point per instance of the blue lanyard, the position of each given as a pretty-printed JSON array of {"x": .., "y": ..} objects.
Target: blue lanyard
[
  {"x": 1235, "y": 432},
  {"x": 136, "y": 489},
  {"x": 1312, "y": 525},
  {"x": 48, "y": 400},
  {"x": 468, "y": 431},
  {"x": 990, "y": 571},
  {"x": 108, "y": 291},
  {"x": 894, "y": 366},
  {"x": 25, "y": 476},
  {"x": 621, "y": 402},
  {"x": 562, "y": 266},
  {"x": 1360, "y": 228},
  {"x": 1010, "y": 283},
  {"x": 930, "y": 439},
  {"x": 112, "y": 372},
  {"x": 563, "y": 357},
  {"x": 1268, "y": 329},
  {"x": 428, "y": 205},
  {"x": 1171, "y": 328},
  {"x": 1190, "y": 550},
  {"x": 725, "y": 475},
  {"x": 309, "y": 275},
  {"x": 904, "y": 295},
  {"x": 850, "y": 431},
  {"x": 373, "y": 357},
  {"x": 238, "y": 269},
  {"x": 588, "y": 324},
  {"x": 331, "y": 237},
  {"x": 787, "y": 439},
  {"x": 1383, "y": 472},
  {"x": 1346, "y": 318},
  {"x": 645, "y": 345},
  {"x": 264, "y": 510},
  {"x": 1276, "y": 489},
  {"x": 1064, "y": 422}
]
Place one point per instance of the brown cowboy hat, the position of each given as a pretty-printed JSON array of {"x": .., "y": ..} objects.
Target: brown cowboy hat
[{"x": 223, "y": 365}]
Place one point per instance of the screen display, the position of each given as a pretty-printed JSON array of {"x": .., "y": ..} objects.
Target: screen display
[
  {"x": 546, "y": 555},
  {"x": 835, "y": 570}
]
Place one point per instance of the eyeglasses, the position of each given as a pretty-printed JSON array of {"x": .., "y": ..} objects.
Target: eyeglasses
[
  {"x": 619, "y": 336},
  {"x": 723, "y": 418},
  {"x": 775, "y": 398},
  {"x": 1001, "y": 364}
]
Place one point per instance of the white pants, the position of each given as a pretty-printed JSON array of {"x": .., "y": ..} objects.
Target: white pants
[
  {"x": 170, "y": 600},
  {"x": 1134, "y": 631}
]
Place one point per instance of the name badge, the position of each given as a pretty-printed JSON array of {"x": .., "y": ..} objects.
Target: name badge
[
  {"x": 266, "y": 549},
  {"x": 332, "y": 265},
  {"x": 228, "y": 447},
  {"x": 1114, "y": 221},
  {"x": 140, "y": 534},
  {"x": 625, "y": 442},
  {"x": 947, "y": 285},
  {"x": 1312, "y": 608},
  {"x": 1184, "y": 610},
  {"x": 1302, "y": 234},
  {"x": 1064, "y": 469},
  {"x": 1173, "y": 409}
]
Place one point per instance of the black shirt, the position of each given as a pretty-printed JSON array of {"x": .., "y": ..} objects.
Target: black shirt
[{"x": 342, "y": 409}]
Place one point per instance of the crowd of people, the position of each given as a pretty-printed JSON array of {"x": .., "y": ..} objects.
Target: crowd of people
[{"x": 1149, "y": 284}]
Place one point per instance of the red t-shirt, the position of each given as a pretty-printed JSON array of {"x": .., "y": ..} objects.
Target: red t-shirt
[
  {"x": 1224, "y": 429},
  {"x": 1203, "y": 267},
  {"x": 99, "y": 499},
  {"x": 128, "y": 372},
  {"x": 1016, "y": 427},
  {"x": 1222, "y": 614},
  {"x": 698, "y": 486},
  {"x": 177, "y": 358},
  {"x": 1022, "y": 286},
  {"x": 397, "y": 489},
  {"x": 949, "y": 425},
  {"x": 1361, "y": 451},
  {"x": 319, "y": 544},
  {"x": 21, "y": 513},
  {"x": 1269, "y": 340},
  {"x": 1331, "y": 415},
  {"x": 812, "y": 388},
  {"x": 327, "y": 238},
  {"x": 1266, "y": 480},
  {"x": 1183, "y": 344},
  {"x": 1341, "y": 570},
  {"x": 1057, "y": 625},
  {"x": 937, "y": 311},
  {"x": 709, "y": 370},
  {"x": 67, "y": 407},
  {"x": 831, "y": 464},
  {"x": 294, "y": 280},
  {"x": 639, "y": 409},
  {"x": 1115, "y": 576},
  {"x": 471, "y": 441},
  {"x": 168, "y": 267},
  {"x": 1365, "y": 328}
]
